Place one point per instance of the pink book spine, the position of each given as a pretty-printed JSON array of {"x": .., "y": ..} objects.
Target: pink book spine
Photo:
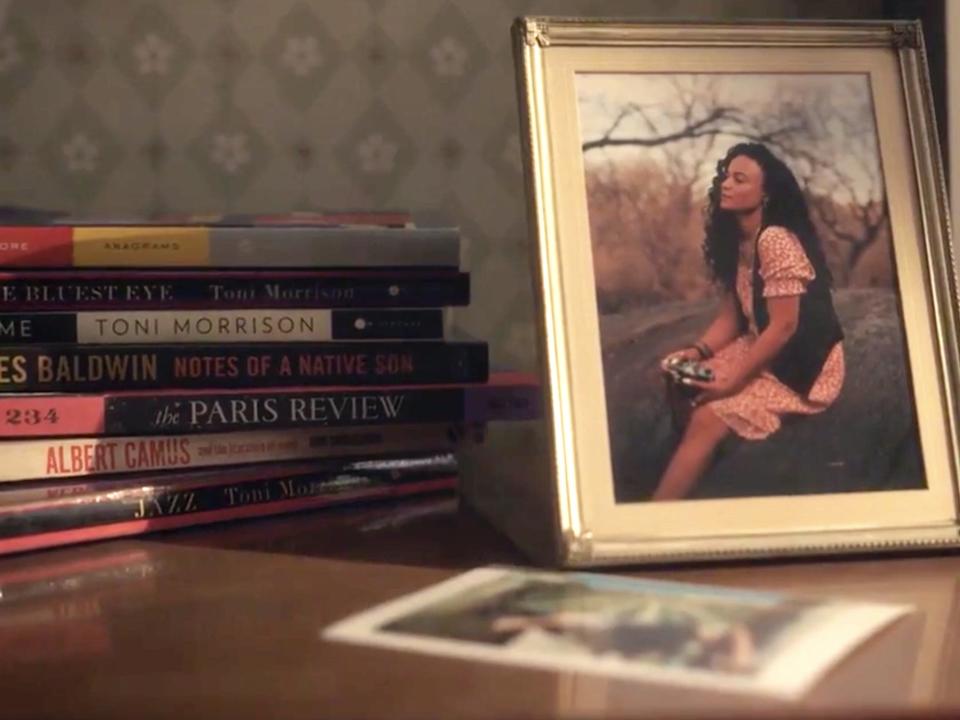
[{"x": 62, "y": 415}]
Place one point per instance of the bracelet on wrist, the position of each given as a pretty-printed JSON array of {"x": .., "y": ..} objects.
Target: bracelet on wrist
[{"x": 703, "y": 349}]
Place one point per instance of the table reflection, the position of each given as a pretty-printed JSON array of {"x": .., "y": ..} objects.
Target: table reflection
[
  {"x": 55, "y": 606},
  {"x": 912, "y": 663}
]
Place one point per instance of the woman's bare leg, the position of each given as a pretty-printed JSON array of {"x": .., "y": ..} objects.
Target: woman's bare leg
[{"x": 693, "y": 454}]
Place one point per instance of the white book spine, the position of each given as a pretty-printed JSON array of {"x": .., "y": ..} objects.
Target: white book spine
[
  {"x": 251, "y": 326},
  {"x": 83, "y": 456},
  {"x": 289, "y": 247},
  {"x": 195, "y": 326}
]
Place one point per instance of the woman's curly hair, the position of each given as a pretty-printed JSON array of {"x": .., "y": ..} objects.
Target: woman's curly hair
[{"x": 784, "y": 206}]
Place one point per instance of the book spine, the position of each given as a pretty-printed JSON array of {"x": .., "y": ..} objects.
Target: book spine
[
  {"x": 223, "y": 326},
  {"x": 302, "y": 218},
  {"x": 45, "y": 459},
  {"x": 223, "y": 291},
  {"x": 226, "y": 246},
  {"x": 322, "y": 218},
  {"x": 164, "y": 497},
  {"x": 47, "y": 493},
  {"x": 205, "y": 412},
  {"x": 68, "y": 368},
  {"x": 136, "y": 513}
]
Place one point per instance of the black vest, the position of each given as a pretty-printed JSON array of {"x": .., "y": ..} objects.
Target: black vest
[{"x": 799, "y": 362}]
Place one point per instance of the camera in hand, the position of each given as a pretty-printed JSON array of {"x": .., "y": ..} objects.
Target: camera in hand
[{"x": 681, "y": 369}]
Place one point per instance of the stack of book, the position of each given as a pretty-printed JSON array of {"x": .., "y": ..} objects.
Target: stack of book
[{"x": 159, "y": 375}]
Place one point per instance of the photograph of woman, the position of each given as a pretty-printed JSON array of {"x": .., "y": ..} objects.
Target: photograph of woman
[
  {"x": 775, "y": 346},
  {"x": 576, "y": 623},
  {"x": 745, "y": 273},
  {"x": 678, "y": 627}
]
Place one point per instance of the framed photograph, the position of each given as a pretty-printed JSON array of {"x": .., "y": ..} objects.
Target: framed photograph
[{"x": 746, "y": 287}]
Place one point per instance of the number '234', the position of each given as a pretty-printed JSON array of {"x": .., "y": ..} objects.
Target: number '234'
[{"x": 31, "y": 417}]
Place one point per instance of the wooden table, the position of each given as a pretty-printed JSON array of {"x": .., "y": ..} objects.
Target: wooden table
[{"x": 224, "y": 621}]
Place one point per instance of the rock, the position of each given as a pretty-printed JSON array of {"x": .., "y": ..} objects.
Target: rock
[{"x": 867, "y": 440}]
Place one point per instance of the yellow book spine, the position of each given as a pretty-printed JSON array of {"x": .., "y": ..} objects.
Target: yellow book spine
[{"x": 141, "y": 246}]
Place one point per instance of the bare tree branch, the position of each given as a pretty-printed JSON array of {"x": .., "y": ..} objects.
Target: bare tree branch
[
  {"x": 694, "y": 129},
  {"x": 831, "y": 148}
]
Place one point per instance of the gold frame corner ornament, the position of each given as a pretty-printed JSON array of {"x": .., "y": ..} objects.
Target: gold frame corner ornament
[
  {"x": 535, "y": 32},
  {"x": 578, "y": 548},
  {"x": 906, "y": 35}
]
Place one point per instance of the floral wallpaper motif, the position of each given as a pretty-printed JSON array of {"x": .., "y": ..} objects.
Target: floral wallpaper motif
[{"x": 126, "y": 107}]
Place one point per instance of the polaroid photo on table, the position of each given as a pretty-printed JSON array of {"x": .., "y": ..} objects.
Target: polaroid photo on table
[
  {"x": 709, "y": 637},
  {"x": 747, "y": 295}
]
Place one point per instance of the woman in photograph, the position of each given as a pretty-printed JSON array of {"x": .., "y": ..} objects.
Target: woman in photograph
[{"x": 774, "y": 347}]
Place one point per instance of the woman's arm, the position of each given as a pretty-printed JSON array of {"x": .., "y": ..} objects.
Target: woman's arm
[
  {"x": 725, "y": 327},
  {"x": 723, "y": 330},
  {"x": 784, "y": 315}
]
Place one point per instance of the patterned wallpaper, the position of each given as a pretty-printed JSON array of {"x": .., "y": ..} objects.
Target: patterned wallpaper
[{"x": 124, "y": 107}]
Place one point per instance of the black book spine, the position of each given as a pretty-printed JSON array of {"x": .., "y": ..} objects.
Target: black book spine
[
  {"x": 151, "y": 502},
  {"x": 28, "y": 328},
  {"x": 387, "y": 324},
  {"x": 225, "y": 291},
  {"x": 130, "y": 367},
  {"x": 211, "y": 413}
]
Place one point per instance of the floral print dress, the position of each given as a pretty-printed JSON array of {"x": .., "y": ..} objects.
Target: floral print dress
[{"x": 754, "y": 413}]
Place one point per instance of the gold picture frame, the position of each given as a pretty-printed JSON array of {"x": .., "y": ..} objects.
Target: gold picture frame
[{"x": 863, "y": 470}]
